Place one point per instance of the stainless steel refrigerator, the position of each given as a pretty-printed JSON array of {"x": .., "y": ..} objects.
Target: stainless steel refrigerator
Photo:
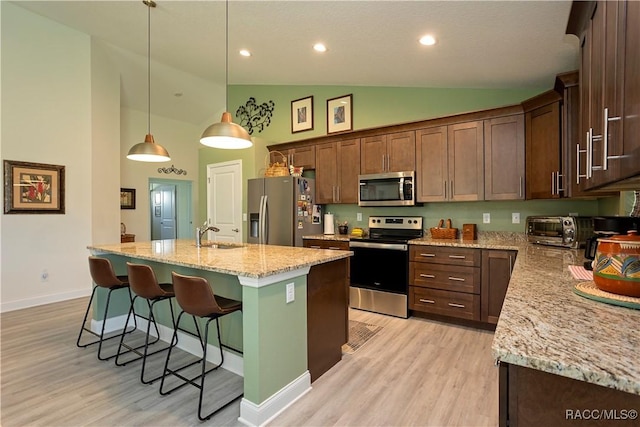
[{"x": 282, "y": 210}]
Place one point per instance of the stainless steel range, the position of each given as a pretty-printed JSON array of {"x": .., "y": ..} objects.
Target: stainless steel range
[{"x": 380, "y": 265}]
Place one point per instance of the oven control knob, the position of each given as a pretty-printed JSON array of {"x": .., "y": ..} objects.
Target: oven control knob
[{"x": 567, "y": 222}]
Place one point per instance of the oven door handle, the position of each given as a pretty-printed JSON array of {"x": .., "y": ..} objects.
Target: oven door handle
[{"x": 374, "y": 245}]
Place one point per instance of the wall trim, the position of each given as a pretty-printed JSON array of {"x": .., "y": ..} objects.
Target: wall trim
[
  {"x": 42, "y": 300},
  {"x": 259, "y": 415}
]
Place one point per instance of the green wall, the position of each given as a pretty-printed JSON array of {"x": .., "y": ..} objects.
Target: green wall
[{"x": 379, "y": 106}]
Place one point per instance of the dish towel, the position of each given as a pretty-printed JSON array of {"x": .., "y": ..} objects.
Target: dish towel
[{"x": 580, "y": 273}]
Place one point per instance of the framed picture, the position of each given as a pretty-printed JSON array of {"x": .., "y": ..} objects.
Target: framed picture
[
  {"x": 340, "y": 114},
  {"x": 302, "y": 114},
  {"x": 33, "y": 188},
  {"x": 127, "y": 198}
]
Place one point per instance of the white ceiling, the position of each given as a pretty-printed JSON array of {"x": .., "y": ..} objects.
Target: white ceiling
[{"x": 481, "y": 44}]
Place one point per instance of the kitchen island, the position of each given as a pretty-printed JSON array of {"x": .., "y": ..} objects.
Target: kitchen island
[
  {"x": 272, "y": 329},
  {"x": 559, "y": 353}
]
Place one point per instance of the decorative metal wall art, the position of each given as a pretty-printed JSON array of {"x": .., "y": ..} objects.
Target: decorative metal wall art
[
  {"x": 255, "y": 117},
  {"x": 172, "y": 169}
]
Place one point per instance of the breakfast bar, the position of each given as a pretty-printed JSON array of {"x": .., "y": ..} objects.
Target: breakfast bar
[{"x": 277, "y": 287}]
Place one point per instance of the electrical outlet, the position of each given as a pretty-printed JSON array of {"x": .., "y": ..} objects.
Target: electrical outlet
[
  {"x": 44, "y": 276},
  {"x": 291, "y": 292},
  {"x": 486, "y": 218},
  {"x": 515, "y": 218},
  {"x": 359, "y": 216},
  {"x": 244, "y": 217}
]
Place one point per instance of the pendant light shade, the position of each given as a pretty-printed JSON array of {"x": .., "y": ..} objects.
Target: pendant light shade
[
  {"x": 148, "y": 151},
  {"x": 226, "y": 134}
]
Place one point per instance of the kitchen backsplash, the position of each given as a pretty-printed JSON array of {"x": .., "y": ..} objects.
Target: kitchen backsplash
[{"x": 472, "y": 212}]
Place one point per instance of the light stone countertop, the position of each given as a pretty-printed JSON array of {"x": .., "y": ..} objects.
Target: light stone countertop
[
  {"x": 247, "y": 260},
  {"x": 333, "y": 237},
  {"x": 544, "y": 325}
]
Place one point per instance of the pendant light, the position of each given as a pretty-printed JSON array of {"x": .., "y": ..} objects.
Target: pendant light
[
  {"x": 148, "y": 151},
  {"x": 226, "y": 134}
]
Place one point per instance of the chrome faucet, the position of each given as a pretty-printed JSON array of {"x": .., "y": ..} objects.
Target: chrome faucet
[{"x": 201, "y": 232}]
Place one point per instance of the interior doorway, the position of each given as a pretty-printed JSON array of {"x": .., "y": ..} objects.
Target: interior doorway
[{"x": 170, "y": 209}]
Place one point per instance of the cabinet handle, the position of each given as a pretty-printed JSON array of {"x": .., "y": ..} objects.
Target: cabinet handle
[
  {"x": 383, "y": 163},
  {"x": 451, "y": 190},
  {"x": 428, "y": 301},
  {"x": 338, "y": 193},
  {"x": 558, "y": 186},
  {"x": 428, "y": 255},
  {"x": 333, "y": 193},
  {"x": 335, "y": 248},
  {"x": 589, "y": 155},
  {"x": 605, "y": 134},
  {"x": 452, "y": 304},
  {"x": 457, "y": 256},
  {"x": 456, "y": 279},
  {"x": 520, "y": 188},
  {"x": 428, "y": 276},
  {"x": 578, "y": 151},
  {"x": 510, "y": 265},
  {"x": 592, "y": 138},
  {"x": 553, "y": 183},
  {"x": 314, "y": 247},
  {"x": 444, "y": 184}
]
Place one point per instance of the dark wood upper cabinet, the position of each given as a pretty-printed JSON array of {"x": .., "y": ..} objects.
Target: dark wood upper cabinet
[
  {"x": 388, "y": 153},
  {"x": 337, "y": 170},
  {"x": 302, "y": 156},
  {"x": 609, "y": 52},
  {"x": 466, "y": 161},
  {"x": 432, "y": 175},
  {"x": 542, "y": 136},
  {"x": 504, "y": 165}
]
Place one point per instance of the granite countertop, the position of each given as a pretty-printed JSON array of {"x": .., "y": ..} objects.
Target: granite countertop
[
  {"x": 333, "y": 237},
  {"x": 248, "y": 260},
  {"x": 544, "y": 325}
]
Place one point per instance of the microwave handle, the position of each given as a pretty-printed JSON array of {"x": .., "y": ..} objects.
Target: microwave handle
[{"x": 401, "y": 188}]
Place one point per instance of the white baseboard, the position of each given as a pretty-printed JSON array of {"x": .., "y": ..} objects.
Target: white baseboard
[
  {"x": 42, "y": 300},
  {"x": 259, "y": 415}
]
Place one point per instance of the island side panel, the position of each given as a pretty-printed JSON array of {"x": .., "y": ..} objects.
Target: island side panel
[
  {"x": 275, "y": 338},
  {"x": 327, "y": 315}
]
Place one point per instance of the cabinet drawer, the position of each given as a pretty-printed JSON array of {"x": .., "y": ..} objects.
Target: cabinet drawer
[
  {"x": 454, "y": 304},
  {"x": 445, "y": 255},
  {"x": 326, "y": 244},
  {"x": 445, "y": 277}
]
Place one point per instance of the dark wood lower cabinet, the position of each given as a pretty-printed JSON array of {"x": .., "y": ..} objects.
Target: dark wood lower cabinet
[
  {"x": 529, "y": 397},
  {"x": 496, "y": 273},
  {"x": 327, "y": 315}
]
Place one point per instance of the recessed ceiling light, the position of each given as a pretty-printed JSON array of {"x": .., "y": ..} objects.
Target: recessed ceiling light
[
  {"x": 427, "y": 40},
  {"x": 245, "y": 52},
  {"x": 319, "y": 47}
]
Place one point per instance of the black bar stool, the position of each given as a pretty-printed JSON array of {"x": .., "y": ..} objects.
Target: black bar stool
[
  {"x": 195, "y": 297},
  {"x": 144, "y": 284},
  {"x": 103, "y": 276}
]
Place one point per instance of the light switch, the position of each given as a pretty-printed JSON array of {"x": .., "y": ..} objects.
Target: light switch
[
  {"x": 515, "y": 218},
  {"x": 486, "y": 218},
  {"x": 359, "y": 216}
]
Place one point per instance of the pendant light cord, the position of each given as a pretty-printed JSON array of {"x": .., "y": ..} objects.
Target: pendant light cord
[
  {"x": 149, "y": 6},
  {"x": 226, "y": 56}
]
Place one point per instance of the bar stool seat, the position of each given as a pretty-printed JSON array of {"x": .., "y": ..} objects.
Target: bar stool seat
[
  {"x": 104, "y": 277},
  {"x": 143, "y": 282},
  {"x": 196, "y": 298}
]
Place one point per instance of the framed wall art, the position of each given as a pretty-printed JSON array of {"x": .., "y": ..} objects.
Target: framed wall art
[
  {"x": 340, "y": 114},
  {"x": 302, "y": 114},
  {"x": 33, "y": 188},
  {"x": 127, "y": 198}
]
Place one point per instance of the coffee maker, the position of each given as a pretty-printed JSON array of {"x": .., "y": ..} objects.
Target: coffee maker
[{"x": 606, "y": 226}]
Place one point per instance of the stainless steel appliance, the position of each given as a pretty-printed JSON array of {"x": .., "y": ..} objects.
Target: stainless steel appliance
[
  {"x": 387, "y": 189},
  {"x": 282, "y": 210},
  {"x": 563, "y": 231},
  {"x": 380, "y": 265},
  {"x": 606, "y": 226}
]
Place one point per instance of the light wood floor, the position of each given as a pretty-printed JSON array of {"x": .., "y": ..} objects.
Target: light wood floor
[{"x": 413, "y": 372}]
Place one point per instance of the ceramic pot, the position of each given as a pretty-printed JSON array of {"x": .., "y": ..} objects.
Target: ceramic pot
[{"x": 616, "y": 268}]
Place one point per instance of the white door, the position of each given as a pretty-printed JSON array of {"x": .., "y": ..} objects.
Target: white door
[{"x": 224, "y": 201}]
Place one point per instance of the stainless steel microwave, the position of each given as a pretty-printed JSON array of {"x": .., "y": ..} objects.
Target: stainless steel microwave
[{"x": 387, "y": 189}]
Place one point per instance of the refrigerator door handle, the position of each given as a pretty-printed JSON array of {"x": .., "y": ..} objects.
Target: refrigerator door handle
[
  {"x": 261, "y": 222},
  {"x": 265, "y": 227}
]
